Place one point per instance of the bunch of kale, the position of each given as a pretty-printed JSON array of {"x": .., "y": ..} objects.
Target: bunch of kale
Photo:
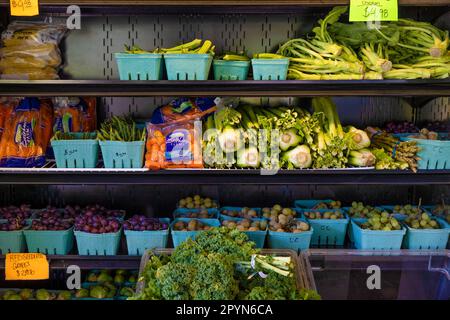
[{"x": 216, "y": 266}]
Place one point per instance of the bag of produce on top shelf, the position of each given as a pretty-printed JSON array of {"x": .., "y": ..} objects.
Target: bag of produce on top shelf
[
  {"x": 30, "y": 50},
  {"x": 27, "y": 132},
  {"x": 174, "y": 137}
]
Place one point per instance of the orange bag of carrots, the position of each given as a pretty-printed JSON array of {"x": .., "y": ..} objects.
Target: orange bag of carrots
[
  {"x": 6, "y": 107},
  {"x": 174, "y": 145},
  {"x": 27, "y": 132},
  {"x": 175, "y": 133},
  {"x": 72, "y": 114}
]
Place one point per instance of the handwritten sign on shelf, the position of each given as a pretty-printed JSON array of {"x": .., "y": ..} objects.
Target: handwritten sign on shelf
[
  {"x": 24, "y": 8},
  {"x": 26, "y": 266},
  {"x": 373, "y": 10}
]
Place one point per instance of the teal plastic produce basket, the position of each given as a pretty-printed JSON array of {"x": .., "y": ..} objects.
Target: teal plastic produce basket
[
  {"x": 139, "y": 241},
  {"x": 49, "y": 242},
  {"x": 213, "y": 213},
  {"x": 230, "y": 70},
  {"x": 98, "y": 244},
  {"x": 270, "y": 69},
  {"x": 427, "y": 239},
  {"x": 225, "y": 217},
  {"x": 88, "y": 285},
  {"x": 118, "y": 154},
  {"x": 289, "y": 240},
  {"x": 327, "y": 231},
  {"x": 77, "y": 153},
  {"x": 401, "y": 216},
  {"x": 12, "y": 241},
  {"x": 434, "y": 154},
  {"x": 145, "y": 66},
  {"x": 180, "y": 236},
  {"x": 377, "y": 239},
  {"x": 187, "y": 66},
  {"x": 309, "y": 204},
  {"x": 258, "y": 237}
]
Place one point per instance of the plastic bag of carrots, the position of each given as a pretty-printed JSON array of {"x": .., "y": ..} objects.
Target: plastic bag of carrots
[
  {"x": 183, "y": 109},
  {"x": 72, "y": 114},
  {"x": 174, "y": 145},
  {"x": 27, "y": 132}
]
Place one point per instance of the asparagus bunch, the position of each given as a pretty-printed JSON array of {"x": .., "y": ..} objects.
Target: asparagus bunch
[{"x": 403, "y": 151}]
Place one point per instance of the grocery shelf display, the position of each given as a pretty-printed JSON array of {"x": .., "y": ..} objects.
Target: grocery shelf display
[{"x": 224, "y": 150}]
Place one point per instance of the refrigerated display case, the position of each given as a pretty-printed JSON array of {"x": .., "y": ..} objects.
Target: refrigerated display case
[
  {"x": 404, "y": 275},
  {"x": 89, "y": 70}
]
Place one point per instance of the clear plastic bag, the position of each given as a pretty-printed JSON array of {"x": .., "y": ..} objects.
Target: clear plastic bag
[
  {"x": 174, "y": 145},
  {"x": 27, "y": 132},
  {"x": 30, "y": 51}
]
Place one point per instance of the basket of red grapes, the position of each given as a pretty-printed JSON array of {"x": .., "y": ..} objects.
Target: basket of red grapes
[
  {"x": 97, "y": 234},
  {"x": 11, "y": 235},
  {"x": 144, "y": 233}
]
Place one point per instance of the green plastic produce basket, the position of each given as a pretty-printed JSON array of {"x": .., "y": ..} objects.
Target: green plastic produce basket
[
  {"x": 427, "y": 239},
  {"x": 327, "y": 231},
  {"x": 230, "y": 70},
  {"x": 289, "y": 240},
  {"x": 77, "y": 153},
  {"x": 270, "y": 69},
  {"x": 145, "y": 66},
  {"x": 12, "y": 241},
  {"x": 139, "y": 241},
  {"x": 186, "y": 66},
  {"x": 118, "y": 154},
  {"x": 377, "y": 239},
  {"x": 434, "y": 154},
  {"x": 180, "y": 236},
  {"x": 100, "y": 244},
  {"x": 49, "y": 242}
]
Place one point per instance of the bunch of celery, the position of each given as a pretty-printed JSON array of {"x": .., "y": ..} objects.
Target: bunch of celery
[
  {"x": 253, "y": 137},
  {"x": 330, "y": 146},
  {"x": 322, "y": 58},
  {"x": 417, "y": 50},
  {"x": 405, "y": 49}
]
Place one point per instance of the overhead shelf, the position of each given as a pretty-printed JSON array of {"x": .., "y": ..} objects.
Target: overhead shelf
[
  {"x": 223, "y": 177},
  {"x": 248, "y": 88},
  {"x": 89, "y": 262},
  {"x": 221, "y": 2},
  {"x": 111, "y": 7}
]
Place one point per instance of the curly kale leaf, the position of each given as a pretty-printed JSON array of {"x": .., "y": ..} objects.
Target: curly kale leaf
[{"x": 214, "y": 279}]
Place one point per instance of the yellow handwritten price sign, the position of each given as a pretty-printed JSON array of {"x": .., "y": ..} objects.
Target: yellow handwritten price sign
[
  {"x": 373, "y": 10},
  {"x": 26, "y": 266},
  {"x": 24, "y": 8}
]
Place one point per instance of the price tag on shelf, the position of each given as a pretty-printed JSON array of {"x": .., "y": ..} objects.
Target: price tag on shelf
[
  {"x": 26, "y": 266},
  {"x": 373, "y": 10},
  {"x": 24, "y": 8}
]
